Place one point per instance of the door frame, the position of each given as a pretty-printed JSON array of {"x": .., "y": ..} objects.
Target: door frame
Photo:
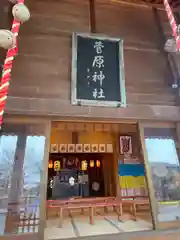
[
  {"x": 43, "y": 182},
  {"x": 43, "y": 178},
  {"x": 142, "y": 125}
]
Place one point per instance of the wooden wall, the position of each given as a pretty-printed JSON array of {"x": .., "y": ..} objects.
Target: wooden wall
[
  {"x": 174, "y": 57},
  {"x": 41, "y": 74},
  {"x": 146, "y": 74}
]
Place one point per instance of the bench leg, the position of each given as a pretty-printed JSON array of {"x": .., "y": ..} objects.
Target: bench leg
[
  {"x": 120, "y": 212},
  {"x": 61, "y": 217},
  {"x": 106, "y": 209},
  {"x": 114, "y": 208},
  {"x": 47, "y": 213},
  {"x": 91, "y": 215},
  {"x": 131, "y": 209},
  {"x": 134, "y": 212},
  {"x": 82, "y": 210}
]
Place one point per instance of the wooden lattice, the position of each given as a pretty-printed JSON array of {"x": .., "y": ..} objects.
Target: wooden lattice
[{"x": 28, "y": 222}]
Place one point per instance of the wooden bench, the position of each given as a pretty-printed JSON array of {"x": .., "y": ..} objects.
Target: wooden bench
[
  {"x": 93, "y": 203},
  {"x": 85, "y": 203},
  {"x": 91, "y": 206},
  {"x": 80, "y": 199},
  {"x": 134, "y": 203},
  {"x": 56, "y": 203}
]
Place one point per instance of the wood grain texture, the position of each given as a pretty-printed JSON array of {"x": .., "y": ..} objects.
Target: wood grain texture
[
  {"x": 41, "y": 77},
  {"x": 133, "y": 23},
  {"x": 168, "y": 35}
]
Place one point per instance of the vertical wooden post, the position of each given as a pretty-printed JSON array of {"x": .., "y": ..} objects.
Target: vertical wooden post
[
  {"x": 178, "y": 138},
  {"x": 43, "y": 182},
  {"x": 92, "y": 14},
  {"x": 148, "y": 177},
  {"x": 75, "y": 137},
  {"x": 116, "y": 158},
  {"x": 16, "y": 184}
]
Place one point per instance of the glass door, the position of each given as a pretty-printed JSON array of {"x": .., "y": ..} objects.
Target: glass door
[
  {"x": 22, "y": 153},
  {"x": 162, "y": 163}
]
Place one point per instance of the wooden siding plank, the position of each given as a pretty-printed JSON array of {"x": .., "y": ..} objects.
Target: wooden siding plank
[{"x": 42, "y": 71}]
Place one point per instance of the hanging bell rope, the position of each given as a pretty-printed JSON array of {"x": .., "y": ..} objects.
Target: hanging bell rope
[
  {"x": 8, "y": 40},
  {"x": 172, "y": 45}
]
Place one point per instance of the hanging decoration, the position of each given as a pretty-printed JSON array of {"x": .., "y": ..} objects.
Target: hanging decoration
[
  {"x": 8, "y": 40},
  {"x": 21, "y": 12},
  {"x": 95, "y": 186},
  {"x": 51, "y": 183},
  {"x": 72, "y": 181},
  {"x": 81, "y": 148},
  {"x": 54, "y": 148},
  {"x": 87, "y": 148},
  {"x": 50, "y": 164},
  {"x": 63, "y": 148},
  {"x": 98, "y": 164},
  {"x": 71, "y": 148},
  {"x": 125, "y": 145},
  {"x": 84, "y": 165},
  {"x": 91, "y": 164},
  {"x": 132, "y": 180},
  {"x": 175, "y": 30},
  {"x": 94, "y": 148},
  {"x": 102, "y": 148},
  {"x": 57, "y": 166}
]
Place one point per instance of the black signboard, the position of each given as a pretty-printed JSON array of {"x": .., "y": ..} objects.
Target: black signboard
[{"x": 98, "y": 71}]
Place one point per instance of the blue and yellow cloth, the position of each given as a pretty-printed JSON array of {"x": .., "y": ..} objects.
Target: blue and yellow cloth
[{"x": 131, "y": 176}]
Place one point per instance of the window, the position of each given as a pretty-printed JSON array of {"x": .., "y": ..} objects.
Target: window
[
  {"x": 21, "y": 159},
  {"x": 165, "y": 171}
]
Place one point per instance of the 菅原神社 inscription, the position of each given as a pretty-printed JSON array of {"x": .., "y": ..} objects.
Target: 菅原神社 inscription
[{"x": 98, "y": 71}]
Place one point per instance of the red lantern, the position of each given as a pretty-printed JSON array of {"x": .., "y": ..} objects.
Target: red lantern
[
  {"x": 91, "y": 164},
  {"x": 98, "y": 164},
  {"x": 50, "y": 164}
]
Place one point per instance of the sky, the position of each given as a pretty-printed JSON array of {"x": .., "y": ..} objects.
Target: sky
[
  {"x": 33, "y": 157},
  {"x": 161, "y": 150}
]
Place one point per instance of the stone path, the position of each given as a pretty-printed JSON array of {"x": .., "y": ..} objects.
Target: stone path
[{"x": 74, "y": 227}]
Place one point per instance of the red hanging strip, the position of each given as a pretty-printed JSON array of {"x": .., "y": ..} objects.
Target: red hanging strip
[
  {"x": 173, "y": 24},
  {"x": 6, "y": 75}
]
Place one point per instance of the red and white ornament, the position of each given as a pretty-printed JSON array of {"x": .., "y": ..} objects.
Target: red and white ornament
[
  {"x": 21, "y": 13},
  {"x": 9, "y": 41},
  {"x": 174, "y": 27}
]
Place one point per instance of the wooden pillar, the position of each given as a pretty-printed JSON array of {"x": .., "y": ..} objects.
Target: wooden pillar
[
  {"x": 178, "y": 139},
  {"x": 116, "y": 158},
  {"x": 172, "y": 71},
  {"x": 75, "y": 137},
  {"x": 92, "y": 16},
  {"x": 148, "y": 176},
  {"x": 16, "y": 185}
]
